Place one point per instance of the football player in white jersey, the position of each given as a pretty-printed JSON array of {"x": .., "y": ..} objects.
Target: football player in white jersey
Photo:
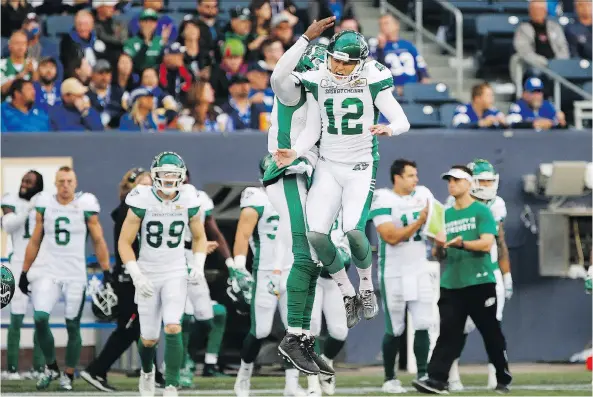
[
  {"x": 293, "y": 113},
  {"x": 19, "y": 221},
  {"x": 57, "y": 247},
  {"x": 399, "y": 215},
  {"x": 484, "y": 189},
  {"x": 329, "y": 303},
  {"x": 350, "y": 92},
  {"x": 161, "y": 213}
]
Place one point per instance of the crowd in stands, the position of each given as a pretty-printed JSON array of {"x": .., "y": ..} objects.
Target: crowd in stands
[{"x": 153, "y": 67}]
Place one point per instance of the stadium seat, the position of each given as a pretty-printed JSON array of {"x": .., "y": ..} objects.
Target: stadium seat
[
  {"x": 4, "y": 43},
  {"x": 447, "y": 111},
  {"x": 511, "y": 7},
  {"x": 58, "y": 24},
  {"x": 495, "y": 41},
  {"x": 587, "y": 87},
  {"x": 470, "y": 10},
  {"x": 435, "y": 93},
  {"x": 575, "y": 69},
  {"x": 177, "y": 17},
  {"x": 422, "y": 116}
]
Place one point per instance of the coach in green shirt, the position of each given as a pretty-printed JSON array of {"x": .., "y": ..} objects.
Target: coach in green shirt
[{"x": 467, "y": 285}]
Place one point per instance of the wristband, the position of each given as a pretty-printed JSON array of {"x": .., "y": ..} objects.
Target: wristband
[
  {"x": 306, "y": 38},
  {"x": 240, "y": 261},
  {"x": 133, "y": 269},
  {"x": 199, "y": 260}
]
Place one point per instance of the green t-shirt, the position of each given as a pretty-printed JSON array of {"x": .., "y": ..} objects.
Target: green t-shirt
[
  {"x": 466, "y": 268},
  {"x": 151, "y": 57}
]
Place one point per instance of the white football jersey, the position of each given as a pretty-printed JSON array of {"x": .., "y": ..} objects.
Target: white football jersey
[
  {"x": 163, "y": 228},
  {"x": 20, "y": 238},
  {"x": 64, "y": 235},
  {"x": 348, "y": 111},
  {"x": 262, "y": 241},
  {"x": 338, "y": 236},
  {"x": 407, "y": 256}
]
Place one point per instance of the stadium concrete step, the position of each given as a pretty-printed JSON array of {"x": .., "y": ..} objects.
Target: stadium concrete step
[{"x": 367, "y": 16}]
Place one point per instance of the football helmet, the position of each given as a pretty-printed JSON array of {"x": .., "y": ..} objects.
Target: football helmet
[
  {"x": 104, "y": 300},
  {"x": 240, "y": 290},
  {"x": 347, "y": 46},
  {"x": 168, "y": 172},
  {"x": 483, "y": 171},
  {"x": 313, "y": 57}
]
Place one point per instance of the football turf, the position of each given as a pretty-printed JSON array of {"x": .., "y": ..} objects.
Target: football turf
[{"x": 350, "y": 383}]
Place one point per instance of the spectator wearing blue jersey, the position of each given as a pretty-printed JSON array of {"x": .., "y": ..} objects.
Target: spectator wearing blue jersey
[
  {"x": 260, "y": 92},
  {"x": 20, "y": 114},
  {"x": 578, "y": 33},
  {"x": 480, "y": 112},
  {"x": 400, "y": 56},
  {"x": 75, "y": 112},
  {"x": 533, "y": 111},
  {"x": 163, "y": 21},
  {"x": 47, "y": 88},
  {"x": 243, "y": 113}
]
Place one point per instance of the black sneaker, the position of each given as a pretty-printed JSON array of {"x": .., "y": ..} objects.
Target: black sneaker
[
  {"x": 324, "y": 367},
  {"x": 502, "y": 389},
  {"x": 159, "y": 380},
  {"x": 353, "y": 310},
  {"x": 210, "y": 371},
  {"x": 430, "y": 386},
  {"x": 294, "y": 350},
  {"x": 97, "y": 382}
]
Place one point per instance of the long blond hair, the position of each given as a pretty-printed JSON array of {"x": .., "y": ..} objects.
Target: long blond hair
[{"x": 130, "y": 180}]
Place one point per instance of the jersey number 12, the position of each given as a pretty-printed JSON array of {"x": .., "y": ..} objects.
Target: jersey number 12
[{"x": 343, "y": 127}]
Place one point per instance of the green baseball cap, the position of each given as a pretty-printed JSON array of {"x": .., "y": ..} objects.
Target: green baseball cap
[
  {"x": 233, "y": 48},
  {"x": 149, "y": 13}
]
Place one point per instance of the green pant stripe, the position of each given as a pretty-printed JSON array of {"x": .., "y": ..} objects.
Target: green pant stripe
[
  {"x": 388, "y": 326},
  {"x": 253, "y": 303},
  {"x": 362, "y": 221}
]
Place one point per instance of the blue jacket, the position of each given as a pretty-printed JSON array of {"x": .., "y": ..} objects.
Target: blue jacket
[
  {"x": 465, "y": 116},
  {"x": 13, "y": 120},
  {"x": 404, "y": 61},
  {"x": 66, "y": 118},
  {"x": 45, "y": 99},
  {"x": 249, "y": 120},
  {"x": 522, "y": 115},
  {"x": 127, "y": 124}
]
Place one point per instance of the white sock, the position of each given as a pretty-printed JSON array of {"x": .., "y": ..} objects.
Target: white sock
[
  {"x": 341, "y": 278},
  {"x": 210, "y": 358},
  {"x": 307, "y": 332},
  {"x": 492, "y": 374},
  {"x": 366, "y": 279},
  {"x": 313, "y": 382},
  {"x": 454, "y": 371},
  {"x": 291, "y": 378},
  {"x": 295, "y": 331},
  {"x": 246, "y": 369}
]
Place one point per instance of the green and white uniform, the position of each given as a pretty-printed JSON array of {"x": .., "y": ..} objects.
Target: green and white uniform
[
  {"x": 404, "y": 271},
  {"x": 162, "y": 257},
  {"x": 198, "y": 302},
  {"x": 60, "y": 267},
  {"x": 19, "y": 238}
]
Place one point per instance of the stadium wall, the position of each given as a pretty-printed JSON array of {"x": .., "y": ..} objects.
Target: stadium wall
[{"x": 547, "y": 318}]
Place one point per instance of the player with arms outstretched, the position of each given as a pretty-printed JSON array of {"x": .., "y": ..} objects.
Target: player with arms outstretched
[
  {"x": 399, "y": 214},
  {"x": 350, "y": 92},
  {"x": 57, "y": 246},
  {"x": 485, "y": 189},
  {"x": 161, "y": 213}
]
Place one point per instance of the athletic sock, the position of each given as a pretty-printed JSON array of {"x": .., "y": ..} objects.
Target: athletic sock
[
  {"x": 216, "y": 333},
  {"x": 346, "y": 287},
  {"x": 44, "y": 336},
  {"x": 250, "y": 349},
  {"x": 173, "y": 357},
  {"x": 13, "y": 342},
  {"x": 38, "y": 359},
  {"x": 332, "y": 347},
  {"x": 366, "y": 279},
  {"x": 390, "y": 349},
  {"x": 421, "y": 347},
  {"x": 146, "y": 356}
]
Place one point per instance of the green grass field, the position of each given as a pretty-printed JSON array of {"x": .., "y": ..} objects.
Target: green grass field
[{"x": 350, "y": 383}]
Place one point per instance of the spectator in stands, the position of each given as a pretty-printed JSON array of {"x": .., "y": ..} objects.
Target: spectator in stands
[
  {"x": 174, "y": 77},
  {"x": 82, "y": 71},
  {"x": 105, "y": 97},
  {"x": 578, "y": 33},
  {"x": 125, "y": 78},
  {"x": 75, "y": 112},
  {"x": 240, "y": 28},
  {"x": 109, "y": 31},
  {"x": 284, "y": 7},
  {"x": 347, "y": 24},
  {"x": 261, "y": 11},
  {"x": 16, "y": 66},
  {"x": 149, "y": 80},
  {"x": 145, "y": 48},
  {"x": 81, "y": 42},
  {"x": 401, "y": 56},
  {"x": 260, "y": 92},
  {"x": 480, "y": 112},
  {"x": 341, "y": 9},
  {"x": 20, "y": 114},
  {"x": 243, "y": 112},
  {"x": 272, "y": 50},
  {"x": 36, "y": 47},
  {"x": 47, "y": 88},
  {"x": 210, "y": 31},
  {"x": 142, "y": 116},
  {"x": 533, "y": 111},
  {"x": 201, "y": 114},
  {"x": 198, "y": 62},
  {"x": 539, "y": 39},
  {"x": 163, "y": 21},
  {"x": 282, "y": 30},
  {"x": 13, "y": 13},
  {"x": 233, "y": 52}
]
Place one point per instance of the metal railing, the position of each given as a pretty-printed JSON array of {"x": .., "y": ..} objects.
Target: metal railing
[
  {"x": 421, "y": 32},
  {"x": 558, "y": 81}
]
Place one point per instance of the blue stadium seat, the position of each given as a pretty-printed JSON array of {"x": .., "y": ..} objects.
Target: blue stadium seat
[
  {"x": 447, "y": 111},
  {"x": 470, "y": 10},
  {"x": 177, "y": 17},
  {"x": 58, "y": 24},
  {"x": 422, "y": 116},
  {"x": 4, "y": 44},
  {"x": 512, "y": 7},
  {"x": 587, "y": 87},
  {"x": 495, "y": 41},
  {"x": 435, "y": 93},
  {"x": 574, "y": 69}
]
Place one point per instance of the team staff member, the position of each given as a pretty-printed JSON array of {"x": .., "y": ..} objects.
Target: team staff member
[
  {"x": 467, "y": 285},
  {"x": 128, "y": 326}
]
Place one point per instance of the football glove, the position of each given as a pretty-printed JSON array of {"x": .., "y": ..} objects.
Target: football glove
[
  {"x": 24, "y": 283},
  {"x": 143, "y": 285},
  {"x": 508, "y": 285}
]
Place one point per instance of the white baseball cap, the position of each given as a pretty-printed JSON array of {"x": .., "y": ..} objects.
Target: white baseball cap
[{"x": 457, "y": 174}]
